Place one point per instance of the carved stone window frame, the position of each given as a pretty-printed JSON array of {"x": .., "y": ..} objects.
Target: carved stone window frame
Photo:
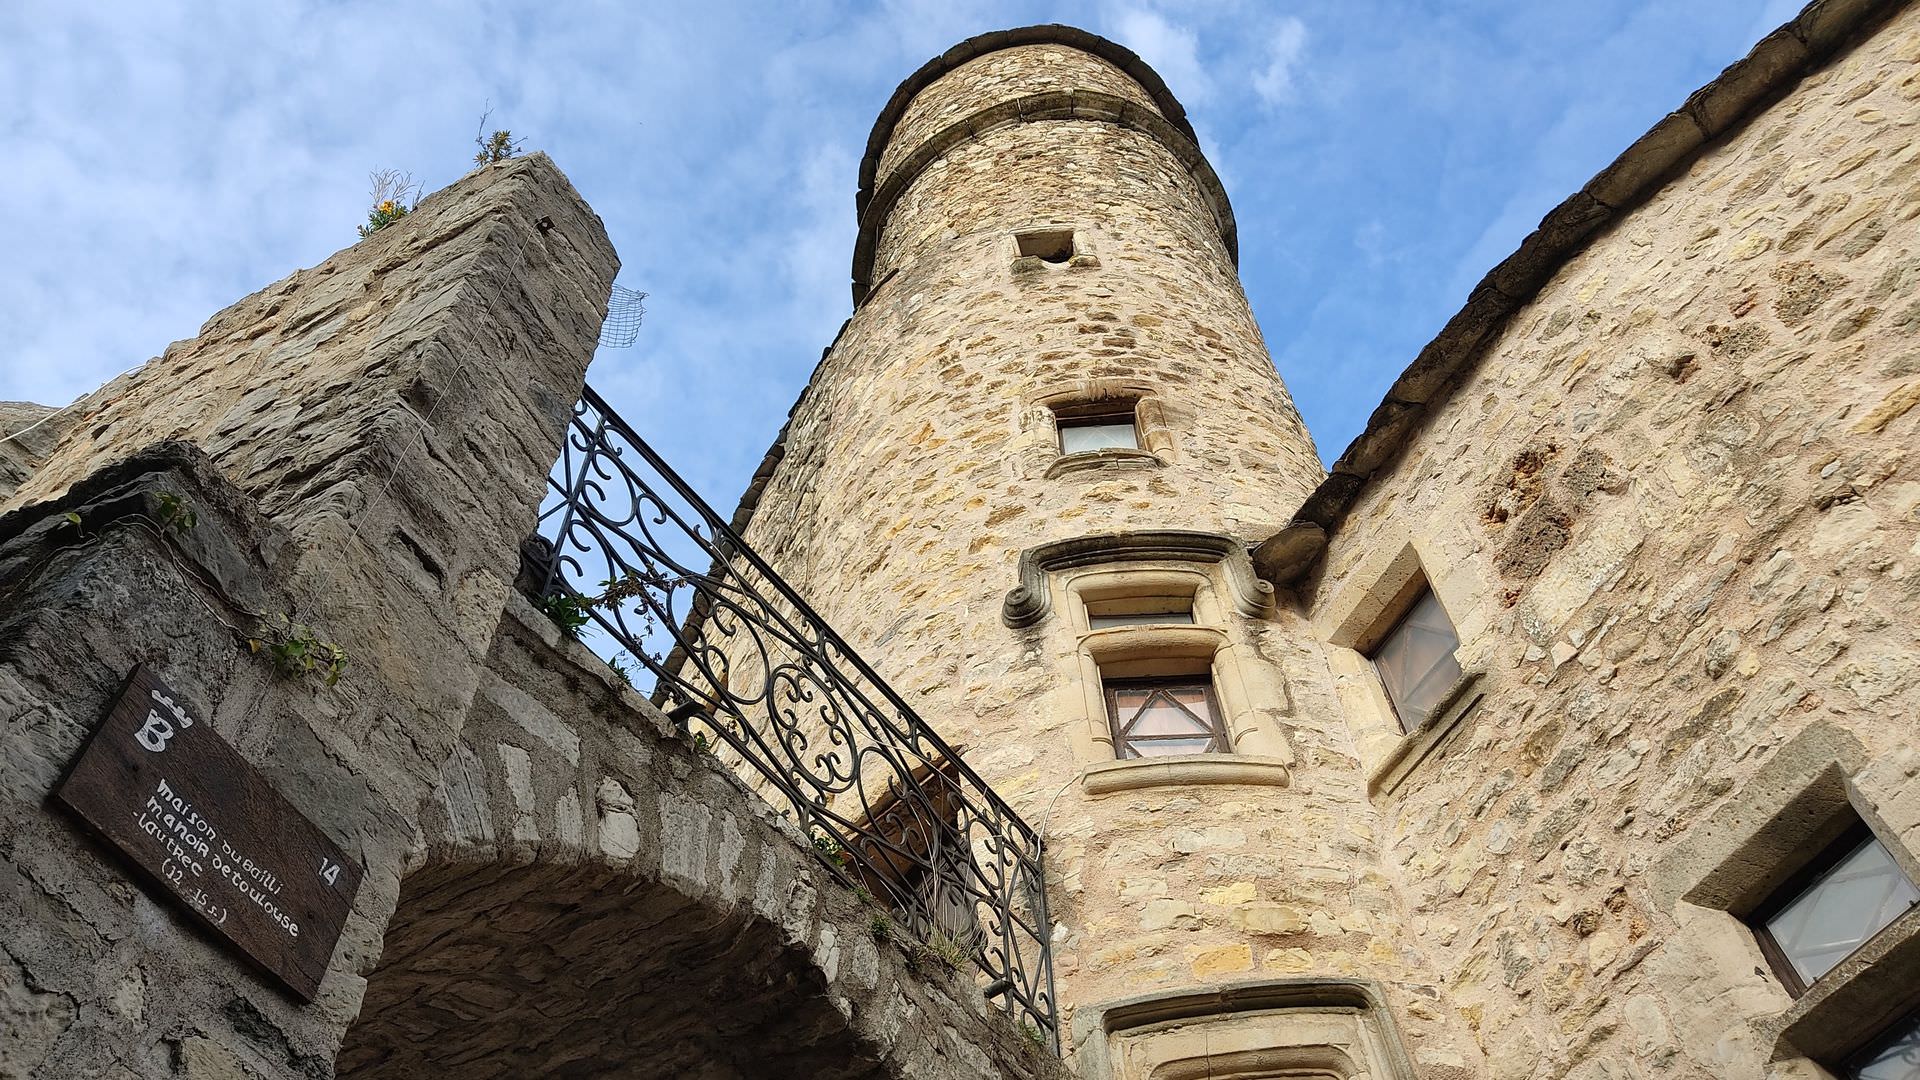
[
  {"x": 1371, "y": 600},
  {"x": 1295, "y": 1026},
  {"x": 1040, "y": 435},
  {"x": 1808, "y": 792},
  {"x": 1058, "y": 580}
]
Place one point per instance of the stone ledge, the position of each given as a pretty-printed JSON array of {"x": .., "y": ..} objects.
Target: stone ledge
[
  {"x": 1111, "y": 776},
  {"x": 1271, "y": 1004},
  {"x": 1850, "y": 1005},
  {"x": 1420, "y": 743},
  {"x": 980, "y": 45},
  {"x": 1029, "y": 601},
  {"x": 1117, "y": 457}
]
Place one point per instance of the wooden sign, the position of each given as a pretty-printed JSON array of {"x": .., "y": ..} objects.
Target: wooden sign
[{"x": 163, "y": 787}]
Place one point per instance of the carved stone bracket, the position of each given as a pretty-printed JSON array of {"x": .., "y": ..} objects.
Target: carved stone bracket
[{"x": 1028, "y": 602}]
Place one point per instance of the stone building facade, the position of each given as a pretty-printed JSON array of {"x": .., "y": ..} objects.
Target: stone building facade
[
  {"x": 1512, "y": 745},
  {"x": 1655, "y": 476}
]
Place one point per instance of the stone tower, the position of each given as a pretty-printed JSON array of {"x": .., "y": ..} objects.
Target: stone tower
[{"x": 1025, "y": 479}]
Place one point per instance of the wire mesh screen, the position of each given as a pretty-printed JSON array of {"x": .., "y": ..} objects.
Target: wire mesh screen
[{"x": 624, "y": 312}]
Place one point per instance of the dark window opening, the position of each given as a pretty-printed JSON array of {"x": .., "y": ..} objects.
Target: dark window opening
[
  {"x": 1164, "y": 716},
  {"x": 1895, "y": 1055},
  {"x": 1818, "y": 917},
  {"x": 1416, "y": 660},
  {"x": 1048, "y": 245}
]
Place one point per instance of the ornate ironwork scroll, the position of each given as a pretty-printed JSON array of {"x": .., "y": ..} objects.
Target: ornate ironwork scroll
[{"x": 740, "y": 659}]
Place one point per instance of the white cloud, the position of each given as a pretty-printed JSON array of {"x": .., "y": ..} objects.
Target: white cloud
[
  {"x": 1173, "y": 51},
  {"x": 1277, "y": 85}
]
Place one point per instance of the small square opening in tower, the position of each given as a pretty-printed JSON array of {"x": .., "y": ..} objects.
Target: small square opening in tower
[{"x": 1047, "y": 245}]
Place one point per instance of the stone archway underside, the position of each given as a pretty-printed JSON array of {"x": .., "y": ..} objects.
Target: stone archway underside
[{"x": 583, "y": 971}]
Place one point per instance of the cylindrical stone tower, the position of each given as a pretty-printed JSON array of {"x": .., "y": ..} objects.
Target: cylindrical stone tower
[{"x": 1023, "y": 482}]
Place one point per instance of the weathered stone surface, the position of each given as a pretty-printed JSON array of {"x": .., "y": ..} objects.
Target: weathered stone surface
[
  {"x": 1653, "y": 469},
  {"x": 692, "y": 934},
  {"x": 1673, "y": 497},
  {"x": 27, "y": 431},
  {"x": 378, "y": 490},
  {"x": 923, "y": 459}
]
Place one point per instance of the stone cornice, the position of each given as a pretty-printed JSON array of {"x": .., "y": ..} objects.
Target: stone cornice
[
  {"x": 979, "y": 45},
  {"x": 1054, "y": 105}
]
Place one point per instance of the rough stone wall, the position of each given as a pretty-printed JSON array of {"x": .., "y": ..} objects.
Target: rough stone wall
[
  {"x": 592, "y": 896},
  {"x": 1003, "y": 76},
  {"x": 97, "y": 977},
  {"x": 27, "y": 431},
  {"x": 922, "y": 461},
  {"x": 369, "y": 441},
  {"x": 555, "y": 881},
  {"x": 395, "y": 409},
  {"x": 1675, "y": 509}
]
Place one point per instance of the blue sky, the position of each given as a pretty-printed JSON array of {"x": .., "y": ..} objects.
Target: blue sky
[{"x": 163, "y": 161}]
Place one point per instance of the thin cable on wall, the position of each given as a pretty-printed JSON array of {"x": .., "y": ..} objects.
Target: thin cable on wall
[
  {"x": 62, "y": 410},
  {"x": 624, "y": 312}
]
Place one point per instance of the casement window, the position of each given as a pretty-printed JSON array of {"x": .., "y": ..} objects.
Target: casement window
[
  {"x": 1415, "y": 660},
  {"x": 1850, "y": 891},
  {"x": 1105, "y": 425},
  {"x": 1161, "y": 716},
  {"x": 1895, "y": 1055}
]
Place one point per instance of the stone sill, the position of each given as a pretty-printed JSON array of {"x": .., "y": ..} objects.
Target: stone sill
[
  {"x": 1420, "y": 743},
  {"x": 1111, "y": 458},
  {"x": 1856, "y": 1000},
  {"x": 1111, "y": 776}
]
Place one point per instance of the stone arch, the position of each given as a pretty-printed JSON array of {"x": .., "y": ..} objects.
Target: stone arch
[{"x": 592, "y": 896}]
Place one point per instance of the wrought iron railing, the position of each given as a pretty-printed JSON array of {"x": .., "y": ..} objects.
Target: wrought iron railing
[{"x": 744, "y": 663}]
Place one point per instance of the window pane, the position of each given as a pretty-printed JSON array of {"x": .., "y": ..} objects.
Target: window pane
[
  {"x": 1842, "y": 909},
  {"x": 1168, "y": 747},
  {"x": 1416, "y": 661},
  {"x": 1897, "y": 1060},
  {"x": 1080, "y": 438},
  {"x": 1155, "y": 719},
  {"x": 1163, "y": 717},
  {"x": 1162, "y": 618}
]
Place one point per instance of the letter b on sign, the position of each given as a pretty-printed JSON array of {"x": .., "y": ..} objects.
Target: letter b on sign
[{"x": 154, "y": 733}]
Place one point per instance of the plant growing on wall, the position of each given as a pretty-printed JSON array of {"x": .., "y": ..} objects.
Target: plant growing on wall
[
  {"x": 393, "y": 194},
  {"x": 567, "y": 611},
  {"x": 295, "y": 649},
  {"x": 496, "y": 147},
  {"x": 175, "y": 514}
]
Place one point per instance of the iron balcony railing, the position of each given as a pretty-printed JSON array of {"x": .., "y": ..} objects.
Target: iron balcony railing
[{"x": 739, "y": 659}]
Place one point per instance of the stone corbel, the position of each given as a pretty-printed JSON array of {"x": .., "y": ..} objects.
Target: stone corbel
[{"x": 1028, "y": 602}]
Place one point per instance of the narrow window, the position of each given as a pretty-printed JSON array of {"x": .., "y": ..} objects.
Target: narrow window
[
  {"x": 1163, "y": 716},
  {"x": 1140, "y": 611},
  {"x": 1895, "y": 1055},
  {"x": 1416, "y": 661},
  {"x": 1105, "y": 426},
  {"x": 1848, "y": 893},
  {"x": 1047, "y": 245}
]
